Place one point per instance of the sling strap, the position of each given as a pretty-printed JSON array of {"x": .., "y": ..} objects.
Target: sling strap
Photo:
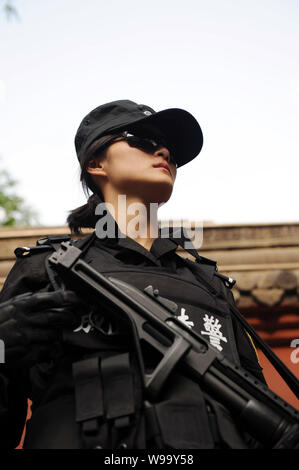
[{"x": 176, "y": 236}]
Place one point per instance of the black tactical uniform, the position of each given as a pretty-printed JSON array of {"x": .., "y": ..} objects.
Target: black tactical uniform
[{"x": 109, "y": 413}]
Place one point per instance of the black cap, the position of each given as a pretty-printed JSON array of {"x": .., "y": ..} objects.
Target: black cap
[{"x": 180, "y": 129}]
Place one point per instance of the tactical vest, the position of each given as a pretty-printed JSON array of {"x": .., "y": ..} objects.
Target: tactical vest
[{"x": 108, "y": 404}]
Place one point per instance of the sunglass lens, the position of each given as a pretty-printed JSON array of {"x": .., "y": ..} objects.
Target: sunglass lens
[
  {"x": 148, "y": 145},
  {"x": 145, "y": 144}
]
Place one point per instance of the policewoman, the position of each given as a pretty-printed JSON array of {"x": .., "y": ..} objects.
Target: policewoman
[{"x": 82, "y": 375}]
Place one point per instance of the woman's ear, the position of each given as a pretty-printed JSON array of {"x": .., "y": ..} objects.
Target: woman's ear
[{"x": 95, "y": 168}]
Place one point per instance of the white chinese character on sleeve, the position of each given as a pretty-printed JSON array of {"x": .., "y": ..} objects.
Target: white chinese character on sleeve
[
  {"x": 212, "y": 327},
  {"x": 185, "y": 318}
]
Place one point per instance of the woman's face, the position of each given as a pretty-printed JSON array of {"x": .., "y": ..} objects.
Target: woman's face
[{"x": 134, "y": 172}]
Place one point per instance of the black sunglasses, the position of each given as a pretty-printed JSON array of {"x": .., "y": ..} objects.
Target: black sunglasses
[{"x": 144, "y": 143}]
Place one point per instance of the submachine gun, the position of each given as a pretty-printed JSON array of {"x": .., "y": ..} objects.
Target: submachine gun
[{"x": 269, "y": 419}]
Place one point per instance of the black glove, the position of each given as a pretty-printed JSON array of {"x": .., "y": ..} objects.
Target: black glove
[{"x": 30, "y": 324}]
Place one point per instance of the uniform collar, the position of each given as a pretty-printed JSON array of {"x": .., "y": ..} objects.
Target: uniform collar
[
  {"x": 123, "y": 243},
  {"x": 160, "y": 247}
]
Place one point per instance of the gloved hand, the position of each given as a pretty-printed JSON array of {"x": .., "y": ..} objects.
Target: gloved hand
[{"x": 30, "y": 324}]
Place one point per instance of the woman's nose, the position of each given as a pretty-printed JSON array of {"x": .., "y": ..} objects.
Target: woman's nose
[{"x": 163, "y": 152}]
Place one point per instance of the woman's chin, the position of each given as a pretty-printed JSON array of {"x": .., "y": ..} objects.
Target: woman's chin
[
  {"x": 161, "y": 193},
  {"x": 158, "y": 191}
]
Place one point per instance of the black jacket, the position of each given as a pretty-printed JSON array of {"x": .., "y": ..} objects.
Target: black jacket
[{"x": 51, "y": 382}]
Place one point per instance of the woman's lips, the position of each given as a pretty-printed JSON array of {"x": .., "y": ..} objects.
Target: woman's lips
[{"x": 163, "y": 167}]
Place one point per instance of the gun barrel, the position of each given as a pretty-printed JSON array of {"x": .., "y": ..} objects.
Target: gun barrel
[{"x": 262, "y": 422}]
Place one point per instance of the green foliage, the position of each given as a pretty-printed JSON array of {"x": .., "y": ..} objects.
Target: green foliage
[
  {"x": 9, "y": 9},
  {"x": 13, "y": 210}
]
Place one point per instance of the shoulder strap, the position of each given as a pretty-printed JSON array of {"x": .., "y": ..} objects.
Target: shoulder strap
[{"x": 175, "y": 234}]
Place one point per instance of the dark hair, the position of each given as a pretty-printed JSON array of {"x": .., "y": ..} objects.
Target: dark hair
[{"x": 84, "y": 216}]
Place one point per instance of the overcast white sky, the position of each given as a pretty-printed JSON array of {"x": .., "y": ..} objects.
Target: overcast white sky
[{"x": 232, "y": 63}]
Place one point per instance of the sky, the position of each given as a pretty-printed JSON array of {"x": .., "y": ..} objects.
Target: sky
[{"x": 233, "y": 64}]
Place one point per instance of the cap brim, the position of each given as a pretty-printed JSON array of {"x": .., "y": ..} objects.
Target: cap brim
[{"x": 180, "y": 129}]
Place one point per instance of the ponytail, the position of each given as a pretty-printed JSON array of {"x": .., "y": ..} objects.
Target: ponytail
[{"x": 84, "y": 216}]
